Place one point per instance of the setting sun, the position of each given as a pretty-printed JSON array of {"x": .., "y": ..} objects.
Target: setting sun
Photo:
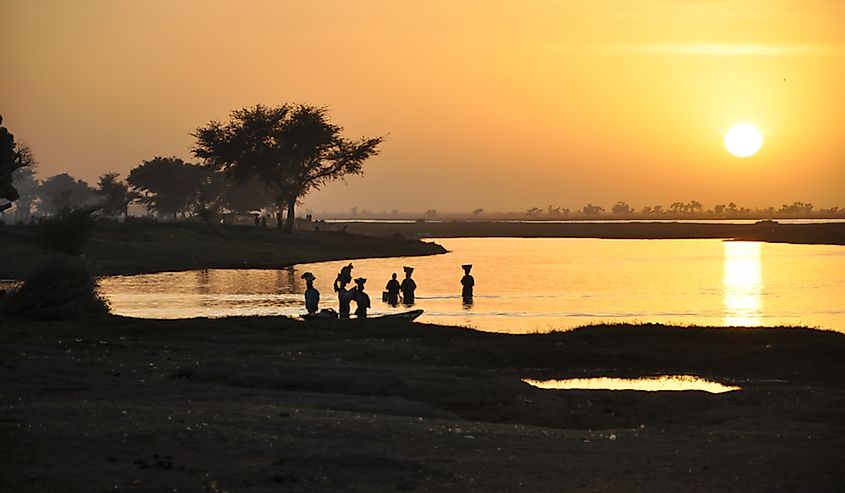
[{"x": 743, "y": 140}]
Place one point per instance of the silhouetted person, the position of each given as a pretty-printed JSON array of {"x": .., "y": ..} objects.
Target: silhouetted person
[
  {"x": 256, "y": 221},
  {"x": 362, "y": 299},
  {"x": 408, "y": 286},
  {"x": 344, "y": 296},
  {"x": 312, "y": 296},
  {"x": 468, "y": 282},
  {"x": 392, "y": 289},
  {"x": 264, "y": 222}
]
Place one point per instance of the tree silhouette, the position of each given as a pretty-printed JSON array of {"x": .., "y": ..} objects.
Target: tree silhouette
[
  {"x": 115, "y": 195},
  {"x": 621, "y": 208},
  {"x": 13, "y": 156},
  {"x": 24, "y": 181},
  {"x": 63, "y": 192},
  {"x": 291, "y": 148},
  {"x": 477, "y": 212},
  {"x": 167, "y": 185},
  {"x": 592, "y": 210}
]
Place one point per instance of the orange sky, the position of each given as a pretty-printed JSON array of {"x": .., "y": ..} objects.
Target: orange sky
[{"x": 502, "y": 105}]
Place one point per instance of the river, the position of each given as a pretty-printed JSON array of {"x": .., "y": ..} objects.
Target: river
[{"x": 537, "y": 285}]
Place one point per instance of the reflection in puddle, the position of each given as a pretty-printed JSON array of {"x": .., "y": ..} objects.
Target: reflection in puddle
[{"x": 663, "y": 382}]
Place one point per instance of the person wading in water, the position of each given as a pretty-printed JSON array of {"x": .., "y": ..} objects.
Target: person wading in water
[
  {"x": 392, "y": 289},
  {"x": 408, "y": 286},
  {"x": 362, "y": 299},
  {"x": 344, "y": 296},
  {"x": 312, "y": 296},
  {"x": 468, "y": 282}
]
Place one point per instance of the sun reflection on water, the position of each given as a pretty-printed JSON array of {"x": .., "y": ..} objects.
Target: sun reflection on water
[
  {"x": 650, "y": 384},
  {"x": 742, "y": 284}
]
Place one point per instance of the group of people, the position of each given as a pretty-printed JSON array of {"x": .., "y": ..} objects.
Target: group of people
[{"x": 357, "y": 293}]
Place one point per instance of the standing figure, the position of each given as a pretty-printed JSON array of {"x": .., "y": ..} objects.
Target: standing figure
[
  {"x": 392, "y": 289},
  {"x": 312, "y": 296},
  {"x": 468, "y": 282},
  {"x": 362, "y": 299},
  {"x": 408, "y": 286},
  {"x": 344, "y": 296}
]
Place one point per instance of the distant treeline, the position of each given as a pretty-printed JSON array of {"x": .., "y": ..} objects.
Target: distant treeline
[
  {"x": 166, "y": 187},
  {"x": 620, "y": 210}
]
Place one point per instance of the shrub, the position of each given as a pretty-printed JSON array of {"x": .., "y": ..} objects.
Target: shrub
[
  {"x": 61, "y": 288},
  {"x": 68, "y": 230}
]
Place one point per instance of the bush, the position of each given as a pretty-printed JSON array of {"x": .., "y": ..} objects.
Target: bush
[
  {"x": 61, "y": 288},
  {"x": 68, "y": 230}
]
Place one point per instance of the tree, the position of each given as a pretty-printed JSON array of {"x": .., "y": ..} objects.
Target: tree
[
  {"x": 292, "y": 149},
  {"x": 115, "y": 195},
  {"x": 534, "y": 211},
  {"x": 246, "y": 197},
  {"x": 13, "y": 156},
  {"x": 621, "y": 208},
  {"x": 24, "y": 181},
  {"x": 167, "y": 185},
  {"x": 477, "y": 212},
  {"x": 63, "y": 192},
  {"x": 592, "y": 210}
]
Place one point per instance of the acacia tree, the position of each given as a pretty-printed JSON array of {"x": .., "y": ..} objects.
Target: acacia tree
[{"x": 292, "y": 149}]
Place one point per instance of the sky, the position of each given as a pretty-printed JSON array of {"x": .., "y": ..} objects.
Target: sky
[{"x": 501, "y": 105}]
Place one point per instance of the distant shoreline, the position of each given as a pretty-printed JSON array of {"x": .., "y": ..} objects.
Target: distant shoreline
[{"x": 832, "y": 233}]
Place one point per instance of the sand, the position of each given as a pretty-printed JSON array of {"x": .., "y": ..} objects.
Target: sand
[{"x": 273, "y": 404}]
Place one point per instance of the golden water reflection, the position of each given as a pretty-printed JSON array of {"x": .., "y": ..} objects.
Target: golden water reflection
[
  {"x": 742, "y": 284},
  {"x": 651, "y": 384}
]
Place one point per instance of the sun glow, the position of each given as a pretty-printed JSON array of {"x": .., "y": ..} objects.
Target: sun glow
[{"x": 743, "y": 140}]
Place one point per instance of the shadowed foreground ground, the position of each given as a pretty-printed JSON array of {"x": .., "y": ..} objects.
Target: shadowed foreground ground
[{"x": 269, "y": 404}]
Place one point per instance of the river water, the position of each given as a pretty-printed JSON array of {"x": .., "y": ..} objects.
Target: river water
[{"x": 538, "y": 285}]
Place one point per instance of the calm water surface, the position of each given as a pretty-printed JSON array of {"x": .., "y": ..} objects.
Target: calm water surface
[{"x": 538, "y": 284}]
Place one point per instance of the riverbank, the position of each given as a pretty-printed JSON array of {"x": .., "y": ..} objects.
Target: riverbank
[
  {"x": 262, "y": 404},
  {"x": 146, "y": 246},
  {"x": 825, "y": 233}
]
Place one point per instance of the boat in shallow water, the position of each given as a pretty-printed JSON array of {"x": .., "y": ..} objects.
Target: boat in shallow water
[{"x": 331, "y": 314}]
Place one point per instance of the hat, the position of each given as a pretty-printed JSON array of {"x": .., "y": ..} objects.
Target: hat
[
  {"x": 308, "y": 276},
  {"x": 360, "y": 280},
  {"x": 407, "y": 269},
  {"x": 467, "y": 266}
]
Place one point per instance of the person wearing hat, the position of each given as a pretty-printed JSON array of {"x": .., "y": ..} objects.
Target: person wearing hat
[
  {"x": 392, "y": 290},
  {"x": 312, "y": 296},
  {"x": 362, "y": 299},
  {"x": 408, "y": 286},
  {"x": 468, "y": 282}
]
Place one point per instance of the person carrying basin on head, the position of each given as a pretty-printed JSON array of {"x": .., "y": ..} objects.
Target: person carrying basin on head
[
  {"x": 408, "y": 286},
  {"x": 362, "y": 299},
  {"x": 344, "y": 296},
  {"x": 467, "y": 283},
  {"x": 392, "y": 290},
  {"x": 312, "y": 296}
]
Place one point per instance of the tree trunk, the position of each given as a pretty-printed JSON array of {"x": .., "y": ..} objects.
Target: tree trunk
[{"x": 291, "y": 216}]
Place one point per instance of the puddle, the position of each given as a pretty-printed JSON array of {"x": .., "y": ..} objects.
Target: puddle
[{"x": 651, "y": 384}]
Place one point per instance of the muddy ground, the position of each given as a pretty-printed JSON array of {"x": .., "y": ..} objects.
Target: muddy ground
[{"x": 272, "y": 404}]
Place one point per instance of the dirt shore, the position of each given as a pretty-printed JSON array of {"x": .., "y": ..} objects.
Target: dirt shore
[{"x": 272, "y": 404}]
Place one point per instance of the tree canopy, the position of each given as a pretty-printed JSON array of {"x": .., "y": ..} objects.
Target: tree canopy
[
  {"x": 62, "y": 191},
  {"x": 13, "y": 156},
  {"x": 115, "y": 195},
  {"x": 167, "y": 185},
  {"x": 291, "y": 149}
]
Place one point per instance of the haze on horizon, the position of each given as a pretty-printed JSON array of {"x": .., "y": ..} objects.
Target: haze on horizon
[{"x": 496, "y": 105}]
